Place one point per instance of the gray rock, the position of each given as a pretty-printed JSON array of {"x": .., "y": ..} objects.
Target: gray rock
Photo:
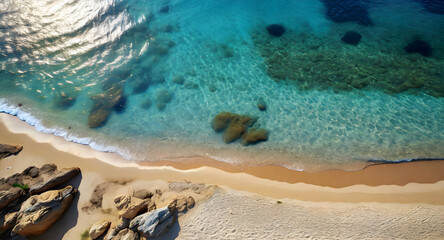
[
  {"x": 155, "y": 223},
  {"x": 33, "y": 172}
]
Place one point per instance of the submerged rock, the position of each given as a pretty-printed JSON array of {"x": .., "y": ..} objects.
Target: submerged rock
[
  {"x": 9, "y": 150},
  {"x": 235, "y": 125},
  {"x": 179, "y": 79},
  {"x": 99, "y": 228},
  {"x": 275, "y": 30},
  {"x": 104, "y": 104},
  {"x": 64, "y": 101},
  {"x": 419, "y": 46},
  {"x": 155, "y": 223},
  {"x": 352, "y": 38},
  {"x": 254, "y": 136},
  {"x": 261, "y": 105},
  {"x": 39, "y": 212}
]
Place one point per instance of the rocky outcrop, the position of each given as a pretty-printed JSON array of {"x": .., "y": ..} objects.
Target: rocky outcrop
[
  {"x": 181, "y": 203},
  {"x": 7, "y": 221},
  {"x": 98, "y": 229},
  {"x": 38, "y": 180},
  {"x": 39, "y": 212},
  {"x": 127, "y": 234},
  {"x": 9, "y": 196},
  {"x": 129, "y": 206},
  {"x": 8, "y": 150},
  {"x": 52, "y": 181},
  {"x": 155, "y": 223}
]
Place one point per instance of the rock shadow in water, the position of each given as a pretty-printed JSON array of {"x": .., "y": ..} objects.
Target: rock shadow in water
[{"x": 348, "y": 11}]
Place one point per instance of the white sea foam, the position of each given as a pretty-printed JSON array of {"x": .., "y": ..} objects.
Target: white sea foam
[{"x": 6, "y": 107}]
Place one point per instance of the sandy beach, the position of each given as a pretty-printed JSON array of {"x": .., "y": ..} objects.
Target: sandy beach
[{"x": 403, "y": 201}]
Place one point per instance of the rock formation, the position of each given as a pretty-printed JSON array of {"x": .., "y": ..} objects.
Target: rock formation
[
  {"x": 7, "y": 221},
  {"x": 98, "y": 229},
  {"x": 129, "y": 206},
  {"x": 275, "y": 30},
  {"x": 39, "y": 212},
  {"x": 10, "y": 195},
  {"x": 9, "y": 150},
  {"x": 155, "y": 223}
]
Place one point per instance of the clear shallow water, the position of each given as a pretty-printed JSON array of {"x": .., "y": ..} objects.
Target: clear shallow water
[{"x": 208, "y": 57}]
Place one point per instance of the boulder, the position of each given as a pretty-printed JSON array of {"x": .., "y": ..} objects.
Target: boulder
[
  {"x": 9, "y": 150},
  {"x": 127, "y": 234},
  {"x": 7, "y": 221},
  {"x": 143, "y": 194},
  {"x": 129, "y": 206},
  {"x": 98, "y": 229},
  {"x": 9, "y": 196},
  {"x": 52, "y": 181},
  {"x": 155, "y": 223},
  {"x": 238, "y": 127},
  {"x": 235, "y": 125},
  {"x": 39, "y": 212},
  {"x": 181, "y": 204}
]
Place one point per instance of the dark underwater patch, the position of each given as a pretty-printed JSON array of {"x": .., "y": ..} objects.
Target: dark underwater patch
[
  {"x": 317, "y": 63},
  {"x": 275, "y": 30},
  {"x": 352, "y": 37},
  {"x": 433, "y": 6},
  {"x": 419, "y": 46},
  {"x": 348, "y": 11}
]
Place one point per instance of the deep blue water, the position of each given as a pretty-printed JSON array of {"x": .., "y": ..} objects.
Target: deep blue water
[{"x": 146, "y": 78}]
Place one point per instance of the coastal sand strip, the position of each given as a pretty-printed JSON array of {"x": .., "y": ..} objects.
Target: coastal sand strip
[{"x": 420, "y": 182}]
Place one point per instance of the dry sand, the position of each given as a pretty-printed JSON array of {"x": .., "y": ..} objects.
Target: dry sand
[{"x": 384, "y": 201}]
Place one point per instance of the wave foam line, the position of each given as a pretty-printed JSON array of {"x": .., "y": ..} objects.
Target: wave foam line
[{"x": 8, "y": 108}]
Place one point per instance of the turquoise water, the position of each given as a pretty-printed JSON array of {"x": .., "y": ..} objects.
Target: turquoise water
[{"x": 180, "y": 63}]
